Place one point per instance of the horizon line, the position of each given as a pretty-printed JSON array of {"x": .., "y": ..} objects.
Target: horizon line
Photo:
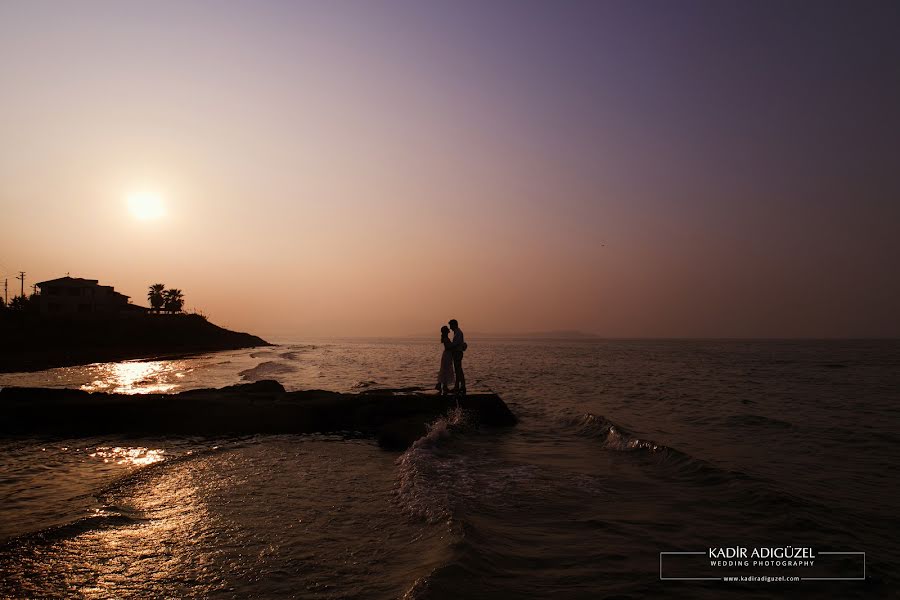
[{"x": 598, "y": 337}]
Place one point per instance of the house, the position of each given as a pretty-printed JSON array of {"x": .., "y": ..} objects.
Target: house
[{"x": 76, "y": 296}]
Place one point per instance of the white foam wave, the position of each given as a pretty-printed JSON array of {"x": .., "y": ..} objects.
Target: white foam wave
[
  {"x": 613, "y": 436},
  {"x": 427, "y": 478},
  {"x": 266, "y": 370}
]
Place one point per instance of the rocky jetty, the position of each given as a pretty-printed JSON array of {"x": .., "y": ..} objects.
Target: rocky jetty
[{"x": 396, "y": 418}]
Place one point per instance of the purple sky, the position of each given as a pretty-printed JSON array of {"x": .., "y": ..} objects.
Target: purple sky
[{"x": 626, "y": 168}]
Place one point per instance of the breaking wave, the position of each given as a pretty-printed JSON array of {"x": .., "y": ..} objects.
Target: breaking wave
[
  {"x": 674, "y": 462},
  {"x": 614, "y": 436},
  {"x": 266, "y": 370},
  {"x": 104, "y": 519},
  {"x": 427, "y": 473}
]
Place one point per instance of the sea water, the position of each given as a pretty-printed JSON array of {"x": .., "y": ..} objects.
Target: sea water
[{"x": 624, "y": 449}]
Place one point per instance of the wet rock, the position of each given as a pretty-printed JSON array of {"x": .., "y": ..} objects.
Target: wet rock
[{"x": 262, "y": 407}]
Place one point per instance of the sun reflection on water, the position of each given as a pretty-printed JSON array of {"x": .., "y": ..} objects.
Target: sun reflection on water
[
  {"x": 148, "y": 551},
  {"x": 135, "y": 377},
  {"x": 138, "y": 456}
]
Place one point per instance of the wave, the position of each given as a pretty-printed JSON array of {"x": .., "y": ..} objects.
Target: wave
[
  {"x": 673, "y": 461},
  {"x": 429, "y": 481},
  {"x": 758, "y": 496},
  {"x": 614, "y": 436},
  {"x": 113, "y": 489},
  {"x": 104, "y": 519},
  {"x": 435, "y": 479},
  {"x": 266, "y": 370},
  {"x": 113, "y": 513},
  {"x": 294, "y": 352},
  {"x": 427, "y": 476},
  {"x": 361, "y": 385}
]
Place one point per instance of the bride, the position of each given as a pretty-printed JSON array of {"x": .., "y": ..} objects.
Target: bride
[{"x": 446, "y": 378}]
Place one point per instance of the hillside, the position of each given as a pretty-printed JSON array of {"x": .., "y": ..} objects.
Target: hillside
[{"x": 31, "y": 343}]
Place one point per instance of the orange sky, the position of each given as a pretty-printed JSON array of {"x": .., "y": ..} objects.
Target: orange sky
[{"x": 365, "y": 170}]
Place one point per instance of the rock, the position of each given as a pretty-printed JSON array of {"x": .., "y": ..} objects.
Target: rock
[
  {"x": 262, "y": 407},
  {"x": 401, "y": 434},
  {"x": 490, "y": 408}
]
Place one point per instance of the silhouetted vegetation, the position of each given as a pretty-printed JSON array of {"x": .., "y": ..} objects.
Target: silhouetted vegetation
[
  {"x": 24, "y": 304},
  {"x": 174, "y": 300},
  {"x": 155, "y": 296},
  {"x": 161, "y": 299}
]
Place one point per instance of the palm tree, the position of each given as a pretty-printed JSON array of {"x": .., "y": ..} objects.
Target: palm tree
[
  {"x": 174, "y": 300},
  {"x": 155, "y": 296}
]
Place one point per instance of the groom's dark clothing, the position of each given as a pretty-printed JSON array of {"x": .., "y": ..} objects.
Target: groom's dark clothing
[{"x": 457, "y": 347}]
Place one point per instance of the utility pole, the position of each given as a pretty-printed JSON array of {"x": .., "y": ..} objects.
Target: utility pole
[
  {"x": 5, "y": 291},
  {"x": 21, "y": 277},
  {"x": 33, "y": 289}
]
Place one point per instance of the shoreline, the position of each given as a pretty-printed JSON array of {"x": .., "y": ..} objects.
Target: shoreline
[{"x": 36, "y": 364}]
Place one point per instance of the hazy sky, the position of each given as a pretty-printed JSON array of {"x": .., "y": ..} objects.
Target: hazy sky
[{"x": 375, "y": 168}]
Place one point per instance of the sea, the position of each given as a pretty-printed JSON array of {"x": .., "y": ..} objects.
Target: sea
[{"x": 625, "y": 451}]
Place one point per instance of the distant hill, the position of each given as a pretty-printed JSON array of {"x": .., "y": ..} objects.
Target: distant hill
[
  {"x": 538, "y": 335},
  {"x": 32, "y": 343},
  {"x": 527, "y": 335}
]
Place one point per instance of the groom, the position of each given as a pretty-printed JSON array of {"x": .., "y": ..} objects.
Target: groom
[{"x": 458, "y": 346}]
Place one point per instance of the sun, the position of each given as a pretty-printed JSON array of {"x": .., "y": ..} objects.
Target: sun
[{"x": 146, "y": 205}]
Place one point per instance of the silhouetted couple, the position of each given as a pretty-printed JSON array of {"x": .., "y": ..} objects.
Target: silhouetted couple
[{"x": 451, "y": 373}]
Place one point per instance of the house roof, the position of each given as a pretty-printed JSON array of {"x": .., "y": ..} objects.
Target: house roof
[
  {"x": 79, "y": 282},
  {"x": 67, "y": 281}
]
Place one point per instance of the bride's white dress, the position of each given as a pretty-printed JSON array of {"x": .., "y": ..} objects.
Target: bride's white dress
[{"x": 446, "y": 375}]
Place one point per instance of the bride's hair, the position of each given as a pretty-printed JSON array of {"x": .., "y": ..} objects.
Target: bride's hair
[{"x": 445, "y": 331}]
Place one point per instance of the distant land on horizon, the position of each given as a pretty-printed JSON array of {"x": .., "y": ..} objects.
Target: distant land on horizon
[
  {"x": 547, "y": 335},
  {"x": 565, "y": 335}
]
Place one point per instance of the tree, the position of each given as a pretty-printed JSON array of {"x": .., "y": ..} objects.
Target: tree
[
  {"x": 174, "y": 300},
  {"x": 156, "y": 296},
  {"x": 22, "y": 303}
]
